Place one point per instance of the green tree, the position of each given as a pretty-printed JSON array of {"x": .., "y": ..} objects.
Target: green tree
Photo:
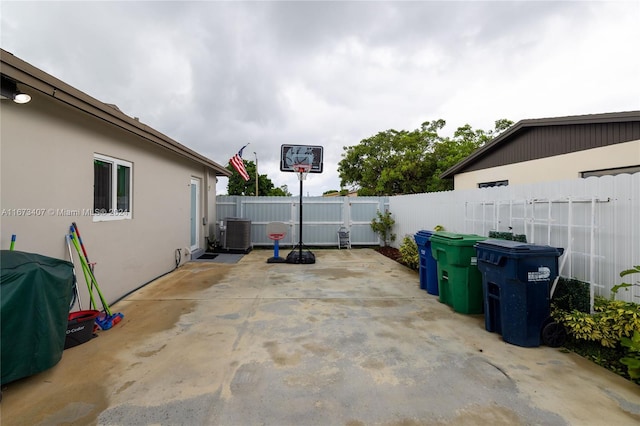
[
  {"x": 450, "y": 151},
  {"x": 282, "y": 191},
  {"x": 238, "y": 186},
  {"x": 408, "y": 162},
  {"x": 391, "y": 162},
  {"x": 342, "y": 192},
  {"x": 382, "y": 225}
]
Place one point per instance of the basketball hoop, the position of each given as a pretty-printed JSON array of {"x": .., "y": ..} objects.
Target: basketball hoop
[
  {"x": 302, "y": 160},
  {"x": 302, "y": 170},
  {"x": 276, "y": 231}
]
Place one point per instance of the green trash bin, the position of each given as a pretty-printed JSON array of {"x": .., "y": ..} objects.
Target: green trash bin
[
  {"x": 35, "y": 293},
  {"x": 459, "y": 280}
]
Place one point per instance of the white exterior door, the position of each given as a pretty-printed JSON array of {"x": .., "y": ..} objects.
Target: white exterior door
[{"x": 195, "y": 209}]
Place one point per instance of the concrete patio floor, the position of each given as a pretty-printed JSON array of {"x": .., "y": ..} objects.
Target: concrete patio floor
[{"x": 350, "y": 340}]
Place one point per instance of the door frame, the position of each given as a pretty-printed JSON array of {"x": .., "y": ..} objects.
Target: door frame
[{"x": 194, "y": 214}]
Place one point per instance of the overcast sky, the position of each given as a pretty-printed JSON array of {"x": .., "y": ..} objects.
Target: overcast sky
[{"x": 217, "y": 75}]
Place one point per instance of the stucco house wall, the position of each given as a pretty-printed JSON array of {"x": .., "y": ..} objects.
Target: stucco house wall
[
  {"x": 556, "y": 148},
  {"x": 47, "y": 150},
  {"x": 561, "y": 167}
]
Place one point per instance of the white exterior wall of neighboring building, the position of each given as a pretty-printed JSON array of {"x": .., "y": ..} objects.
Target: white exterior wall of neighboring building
[
  {"x": 47, "y": 154},
  {"x": 561, "y": 167}
]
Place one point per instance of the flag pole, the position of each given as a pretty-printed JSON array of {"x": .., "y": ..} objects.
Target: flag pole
[{"x": 254, "y": 153}]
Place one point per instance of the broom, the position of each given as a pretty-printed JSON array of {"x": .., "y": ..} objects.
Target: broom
[{"x": 107, "y": 319}]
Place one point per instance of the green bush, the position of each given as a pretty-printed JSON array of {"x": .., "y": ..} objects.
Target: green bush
[
  {"x": 409, "y": 253},
  {"x": 571, "y": 294},
  {"x": 625, "y": 286},
  {"x": 632, "y": 358},
  {"x": 610, "y": 336},
  {"x": 608, "y": 358},
  {"x": 611, "y": 321},
  {"x": 510, "y": 236},
  {"x": 382, "y": 226}
]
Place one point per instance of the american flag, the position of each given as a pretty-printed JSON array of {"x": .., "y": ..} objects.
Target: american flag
[{"x": 238, "y": 164}]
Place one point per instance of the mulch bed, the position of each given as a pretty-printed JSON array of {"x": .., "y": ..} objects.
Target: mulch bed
[{"x": 391, "y": 252}]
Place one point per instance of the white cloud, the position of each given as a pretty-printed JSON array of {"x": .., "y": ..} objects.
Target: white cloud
[{"x": 216, "y": 75}]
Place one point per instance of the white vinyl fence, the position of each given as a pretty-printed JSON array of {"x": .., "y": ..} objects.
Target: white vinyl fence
[
  {"x": 595, "y": 220},
  {"x": 322, "y": 217}
]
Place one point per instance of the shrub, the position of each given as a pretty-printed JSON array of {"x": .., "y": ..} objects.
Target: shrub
[
  {"x": 611, "y": 335},
  {"x": 571, "y": 294},
  {"x": 611, "y": 321},
  {"x": 409, "y": 253},
  {"x": 632, "y": 358},
  {"x": 382, "y": 226},
  {"x": 510, "y": 236},
  {"x": 625, "y": 286}
]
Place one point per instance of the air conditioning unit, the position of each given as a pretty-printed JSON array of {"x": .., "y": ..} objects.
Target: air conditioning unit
[{"x": 237, "y": 234}]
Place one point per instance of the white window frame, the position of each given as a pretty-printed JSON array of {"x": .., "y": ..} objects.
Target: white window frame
[
  {"x": 611, "y": 172},
  {"x": 504, "y": 182},
  {"x": 114, "y": 214}
]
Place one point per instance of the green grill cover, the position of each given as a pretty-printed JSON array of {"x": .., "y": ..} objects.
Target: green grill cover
[{"x": 35, "y": 293}]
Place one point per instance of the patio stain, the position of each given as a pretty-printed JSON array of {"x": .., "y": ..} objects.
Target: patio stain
[
  {"x": 280, "y": 358},
  {"x": 190, "y": 278},
  {"x": 491, "y": 415},
  {"x": 347, "y": 384},
  {"x": 149, "y": 319},
  {"x": 337, "y": 273},
  {"x": 92, "y": 396},
  {"x": 389, "y": 335},
  {"x": 92, "y": 361},
  {"x": 147, "y": 354},
  {"x": 246, "y": 378},
  {"x": 365, "y": 303},
  {"x": 373, "y": 364},
  {"x": 394, "y": 322},
  {"x": 73, "y": 413},
  {"x": 433, "y": 316},
  {"x": 317, "y": 349},
  {"x": 134, "y": 365},
  {"x": 125, "y": 386},
  {"x": 140, "y": 319}
]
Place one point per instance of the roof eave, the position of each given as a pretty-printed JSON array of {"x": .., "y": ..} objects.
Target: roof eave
[
  {"x": 609, "y": 117},
  {"x": 28, "y": 75}
]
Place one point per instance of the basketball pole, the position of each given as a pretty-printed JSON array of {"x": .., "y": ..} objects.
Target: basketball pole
[
  {"x": 300, "y": 223},
  {"x": 297, "y": 255},
  {"x": 301, "y": 159}
]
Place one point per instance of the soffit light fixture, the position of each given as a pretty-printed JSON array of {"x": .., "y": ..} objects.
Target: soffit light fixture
[{"x": 9, "y": 90}]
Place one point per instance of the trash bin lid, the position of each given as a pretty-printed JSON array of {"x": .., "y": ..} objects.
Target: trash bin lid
[
  {"x": 453, "y": 239},
  {"x": 518, "y": 248},
  {"x": 422, "y": 237}
]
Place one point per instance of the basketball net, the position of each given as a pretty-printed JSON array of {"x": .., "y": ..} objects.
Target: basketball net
[{"x": 302, "y": 170}]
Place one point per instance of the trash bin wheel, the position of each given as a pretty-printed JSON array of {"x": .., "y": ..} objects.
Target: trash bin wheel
[{"x": 554, "y": 334}]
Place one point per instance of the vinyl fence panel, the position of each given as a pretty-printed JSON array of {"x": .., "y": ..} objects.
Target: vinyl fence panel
[
  {"x": 322, "y": 217},
  {"x": 595, "y": 220}
]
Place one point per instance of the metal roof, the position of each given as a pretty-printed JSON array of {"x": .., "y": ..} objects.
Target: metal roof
[
  {"x": 29, "y": 76},
  {"x": 512, "y": 133}
]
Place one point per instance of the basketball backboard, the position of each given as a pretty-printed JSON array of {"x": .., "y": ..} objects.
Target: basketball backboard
[{"x": 291, "y": 155}]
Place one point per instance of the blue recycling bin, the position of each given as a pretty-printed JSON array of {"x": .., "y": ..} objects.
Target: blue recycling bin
[
  {"x": 516, "y": 281},
  {"x": 428, "y": 265}
]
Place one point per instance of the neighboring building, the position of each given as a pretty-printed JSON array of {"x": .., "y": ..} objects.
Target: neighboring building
[
  {"x": 551, "y": 149},
  {"x": 141, "y": 200},
  {"x": 344, "y": 193}
]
